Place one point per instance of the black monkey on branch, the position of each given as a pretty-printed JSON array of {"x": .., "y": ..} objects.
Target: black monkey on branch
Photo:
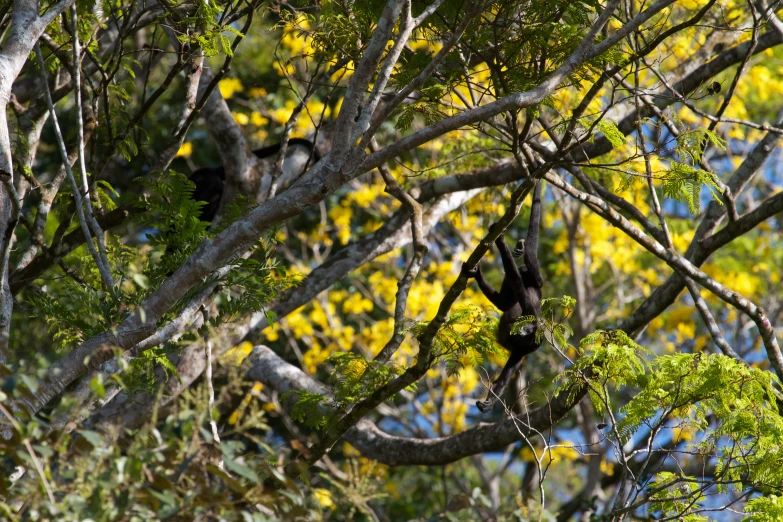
[
  {"x": 519, "y": 295},
  {"x": 210, "y": 181}
]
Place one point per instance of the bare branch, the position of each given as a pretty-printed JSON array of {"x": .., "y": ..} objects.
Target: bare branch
[
  {"x": 94, "y": 226},
  {"x": 712, "y": 325},
  {"x": 104, "y": 269}
]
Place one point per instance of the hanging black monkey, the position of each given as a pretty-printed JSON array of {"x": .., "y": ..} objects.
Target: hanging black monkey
[
  {"x": 210, "y": 180},
  {"x": 519, "y": 295}
]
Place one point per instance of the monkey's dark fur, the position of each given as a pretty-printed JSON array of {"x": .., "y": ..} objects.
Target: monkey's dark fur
[
  {"x": 520, "y": 295},
  {"x": 210, "y": 180}
]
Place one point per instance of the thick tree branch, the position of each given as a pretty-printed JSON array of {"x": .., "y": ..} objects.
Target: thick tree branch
[{"x": 268, "y": 368}]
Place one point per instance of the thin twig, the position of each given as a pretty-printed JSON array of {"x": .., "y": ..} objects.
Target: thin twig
[
  {"x": 419, "y": 251},
  {"x": 709, "y": 320},
  {"x": 105, "y": 272},
  {"x": 211, "y": 401},
  {"x": 701, "y": 305},
  {"x": 94, "y": 226}
]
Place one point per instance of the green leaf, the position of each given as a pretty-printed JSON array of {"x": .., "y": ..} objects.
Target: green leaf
[
  {"x": 271, "y": 317},
  {"x": 612, "y": 133},
  {"x": 241, "y": 469},
  {"x": 93, "y": 437}
]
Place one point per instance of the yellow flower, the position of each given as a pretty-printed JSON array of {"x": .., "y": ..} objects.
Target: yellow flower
[
  {"x": 185, "y": 150},
  {"x": 258, "y": 119},
  {"x": 454, "y": 414},
  {"x": 692, "y": 4},
  {"x": 324, "y": 497},
  {"x": 682, "y": 433},
  {"x": 565, "y": 451},
  {"x": 318, "y": 315},
  {"x": 239, "y": 353},
  {"x": 357, "y": 304},
  {"x": 272, "y": 333},
  {"x": 341, "y": 221},
  {"x": 240, "y": 117},
  {"x": 229, "y": 86},
  {"x": 283, "y": 114}
]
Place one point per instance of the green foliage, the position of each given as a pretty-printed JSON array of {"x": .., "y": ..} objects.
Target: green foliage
[
  {"x": 253, "y": 281},
  {"x": 428, "y": 110},
  {"x": 732, "y": 406},
  {"x": 212, "y": 39},
  {"x": 466, "y": 338},
  {"x": 79, "y": 307},
  {"x": 126, "y": 147},
  {"x": 691, "y": 144},
  {"x": 675, "y": 494},
  {"x": 167, "y": 469},
  {"x": 309, "y": 408},
  {"x": 336, "y": 31},
  {"x": 250, "y": 286},
  {"x": 359, "y": 488},
  {"x": 343, "y": 29},
  {"x": 764, "y": 509},
  {"x": 79, "y": 313},
  {"x": 141, "y": 369},
  {"x": 107, "y": 196},
  {"x": 410, "y": 66},
  {"x": 355, "y": 378},
  {"x": 174, "y": 215},
  {"x": 352, "y": 380},
  {"x": 612, "y": 133},
  {"x": 605, "y": 357},
  {"x": 551, "y": 325},
  {"x": 683, "y": 183}
]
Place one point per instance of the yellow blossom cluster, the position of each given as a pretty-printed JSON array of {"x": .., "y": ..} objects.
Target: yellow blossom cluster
[
  {"x": 371, "y": 196},
  {"x": 565, "y": 451},
  {"x": 230, "y": 86},
  {"x": 185, "y": 150}
]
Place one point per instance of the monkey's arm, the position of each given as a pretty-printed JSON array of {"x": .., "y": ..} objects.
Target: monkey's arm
[
  {"x": 531, "y": 242},
  {"x": 492, "y": 294},
  {"x": 512, "y": 273}
]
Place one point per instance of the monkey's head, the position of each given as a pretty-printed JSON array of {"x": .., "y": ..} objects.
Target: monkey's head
[{"x": 519, "y": 250}]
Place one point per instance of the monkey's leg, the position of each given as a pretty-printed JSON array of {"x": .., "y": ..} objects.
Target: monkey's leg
[{"x": 512, "y": 365}]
